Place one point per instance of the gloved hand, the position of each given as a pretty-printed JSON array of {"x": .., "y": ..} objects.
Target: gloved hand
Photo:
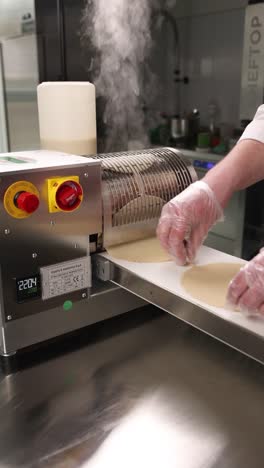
[
  {"x": 246, "y": 290},
  {"x": 186, "y": 220}
]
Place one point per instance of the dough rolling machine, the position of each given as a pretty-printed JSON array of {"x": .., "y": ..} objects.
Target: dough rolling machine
[{"x": 58, "y": 214}]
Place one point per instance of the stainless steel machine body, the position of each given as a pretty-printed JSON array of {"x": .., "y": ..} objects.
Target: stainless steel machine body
[
  {"x": 44, "y": 256},
  {"x": 57, "y": 209},
  {"x": 47, "y": 288}
]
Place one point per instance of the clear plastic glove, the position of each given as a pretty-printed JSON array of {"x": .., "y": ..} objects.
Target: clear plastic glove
[
  {"x": 186, "y": 220},
  {"x": 246, "y": 290}
]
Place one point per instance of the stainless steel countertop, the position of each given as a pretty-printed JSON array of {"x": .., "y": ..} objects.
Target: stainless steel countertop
[{"x": 142, "y": 390}]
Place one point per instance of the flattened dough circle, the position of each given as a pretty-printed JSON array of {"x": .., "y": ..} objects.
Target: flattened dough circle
[
  {"x": 209, "y": 283},
  {"x": 141, "y": 251}
]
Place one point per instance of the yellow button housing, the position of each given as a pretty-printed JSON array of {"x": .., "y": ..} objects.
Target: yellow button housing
[
  {"x": 10, "y": 194},
  {"x": 53, "y": 185}
]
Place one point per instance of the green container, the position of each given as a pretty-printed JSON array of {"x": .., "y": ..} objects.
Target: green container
[{"x": 204, "y": 140}]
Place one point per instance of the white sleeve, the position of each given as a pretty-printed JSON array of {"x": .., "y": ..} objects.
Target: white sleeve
[{"x": 255, "y": 130}]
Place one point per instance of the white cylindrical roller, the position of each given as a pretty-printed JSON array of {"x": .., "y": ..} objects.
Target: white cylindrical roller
[{"x": 67, "y": 117}]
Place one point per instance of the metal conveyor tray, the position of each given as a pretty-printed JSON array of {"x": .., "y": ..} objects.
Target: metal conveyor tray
[{"x": 160, "y": 284}]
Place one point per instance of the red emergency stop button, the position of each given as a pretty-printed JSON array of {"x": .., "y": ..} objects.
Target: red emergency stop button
[
  {"x": 26, "y": 201},
  {"x": 69, "y": 195}
]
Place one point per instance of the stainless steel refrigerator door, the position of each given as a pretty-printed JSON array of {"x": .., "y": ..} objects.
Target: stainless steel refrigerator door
[{"x": 21, "y": 77}]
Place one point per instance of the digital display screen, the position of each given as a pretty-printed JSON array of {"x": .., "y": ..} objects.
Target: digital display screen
[
  {"x": 28, "y": 288},
  {"x": 204, "y": 164}
]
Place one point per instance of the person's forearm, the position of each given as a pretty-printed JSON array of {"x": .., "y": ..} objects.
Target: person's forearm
[{"x": 242, "y": 167}]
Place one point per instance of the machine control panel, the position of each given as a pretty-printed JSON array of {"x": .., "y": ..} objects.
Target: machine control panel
[{"x": 63, "y": 194}]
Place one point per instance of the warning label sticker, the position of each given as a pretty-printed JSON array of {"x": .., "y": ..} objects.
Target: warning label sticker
[{"x": 66, "y": 277}]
